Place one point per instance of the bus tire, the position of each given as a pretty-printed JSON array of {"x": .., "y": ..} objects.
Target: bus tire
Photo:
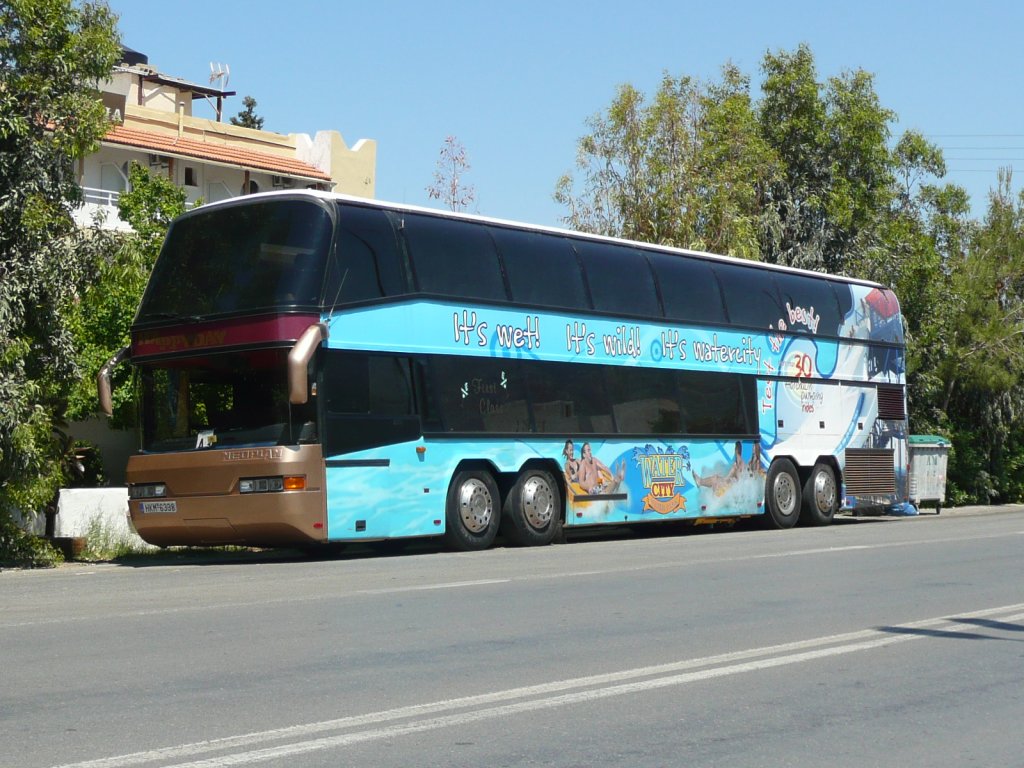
[
  {"x": 821, "y": 496},
  {"x": 532, "y": 514},
  {"x": 782, "y": 494},
  {"x": 471, "y": 512}
]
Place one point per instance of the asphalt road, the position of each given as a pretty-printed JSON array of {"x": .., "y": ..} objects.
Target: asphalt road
[{"x": 889, "y": 642}]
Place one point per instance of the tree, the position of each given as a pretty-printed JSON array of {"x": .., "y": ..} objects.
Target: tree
[
  {"x": 248, "y": 118},
  {"x": 837, "y": 168},
  {"x": 101, "y": 320},
  {"x": 981, "y": 377},
  {"x": 685, "y": 169},
  {"x": 448, "y": 186},
  {"x": 806, "y": 176},
  {"x": 53, "y": 54}
]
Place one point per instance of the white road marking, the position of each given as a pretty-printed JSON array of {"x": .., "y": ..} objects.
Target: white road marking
[{"x": 304, "y": 739}]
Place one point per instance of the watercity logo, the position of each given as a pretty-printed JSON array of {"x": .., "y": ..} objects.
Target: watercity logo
[{"x": 661, "y": 471}]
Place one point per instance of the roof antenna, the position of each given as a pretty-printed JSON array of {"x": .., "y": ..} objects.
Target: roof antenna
[{"x": 220, "y": 74}]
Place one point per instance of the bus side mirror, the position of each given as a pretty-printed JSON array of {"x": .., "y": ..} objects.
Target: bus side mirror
[
  {"x": 103, "y": 382},
  {"x": 298, "y": 362}
]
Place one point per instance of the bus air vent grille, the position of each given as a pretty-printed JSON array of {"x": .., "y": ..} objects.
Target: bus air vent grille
[
  {"x": 891, "y": 402},
  {"x": 869, "y": 472}
]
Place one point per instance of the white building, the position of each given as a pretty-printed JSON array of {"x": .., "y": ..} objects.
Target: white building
[{"x": 154, "y": 125}]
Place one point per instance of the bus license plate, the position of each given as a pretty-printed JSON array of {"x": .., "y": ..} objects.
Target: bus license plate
[{"x": 160, "y": 507}]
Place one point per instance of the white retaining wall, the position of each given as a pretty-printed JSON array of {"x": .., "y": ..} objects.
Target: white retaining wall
[{"x": 80, "y": 508}]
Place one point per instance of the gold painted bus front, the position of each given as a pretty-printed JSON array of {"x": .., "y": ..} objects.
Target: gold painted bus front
[{"x": 206, "y": 507}]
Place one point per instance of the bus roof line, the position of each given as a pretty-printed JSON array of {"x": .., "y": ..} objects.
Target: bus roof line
[{"x": 540, "y": 228}]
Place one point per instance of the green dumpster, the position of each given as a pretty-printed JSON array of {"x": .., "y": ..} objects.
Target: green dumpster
[{"x": 929, "y": 455}]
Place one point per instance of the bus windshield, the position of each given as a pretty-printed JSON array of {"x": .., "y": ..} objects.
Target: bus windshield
[
  {"x": 222, "y": 401},
  {"x": 238, "y": 259}
]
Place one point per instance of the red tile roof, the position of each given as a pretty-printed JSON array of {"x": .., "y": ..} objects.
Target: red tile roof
[{"x": 185, "y": 147}]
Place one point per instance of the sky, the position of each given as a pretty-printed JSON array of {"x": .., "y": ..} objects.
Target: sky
[{"x": 515, "y": 82}]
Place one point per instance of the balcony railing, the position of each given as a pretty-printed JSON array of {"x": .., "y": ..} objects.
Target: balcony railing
[
  {"x": 104, "y": 197},
  {"x": 104, "y": 202}
]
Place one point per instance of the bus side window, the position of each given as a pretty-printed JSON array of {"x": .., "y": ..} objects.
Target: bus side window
[
  {"x": 478, "y": 394},
  {"x": 542, "y": 269},
  {"x": 689, "y": 288},
  {"x": 718, "y": 403},
  {"x": 811, "y": 305},
  {"x": 620, "y": 279},
  {"x": 368, "y": 401},
  {"x": 644, "y": 400},
  {"x": 751, "y": 296},
  {"x": 568, "y": 399},
  {"x": 366, "y": 263},
  {"x": 453, "y": 258}
]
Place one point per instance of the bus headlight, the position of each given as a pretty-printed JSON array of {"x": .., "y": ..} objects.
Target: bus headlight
[
  {"x": 147, "y": 490},
  {"x": 271, "y": 484},
  {"x": 260, "y": 484}
]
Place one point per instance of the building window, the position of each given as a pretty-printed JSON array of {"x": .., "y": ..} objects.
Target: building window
[
  {"x": 217, "y": 190},
  {"x": 190, "y": 177},
  {"x": 113, "y": 178}
]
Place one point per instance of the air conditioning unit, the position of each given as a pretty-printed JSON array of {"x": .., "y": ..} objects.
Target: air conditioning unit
[
  {"x": 282, "y": 182},
  {"x": 159, "y": 161}
]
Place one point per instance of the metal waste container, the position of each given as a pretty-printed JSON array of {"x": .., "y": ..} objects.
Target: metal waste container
[{"x": 929, "y": 455}]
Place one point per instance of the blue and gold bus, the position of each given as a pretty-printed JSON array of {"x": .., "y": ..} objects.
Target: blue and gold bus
[{"x": 315, "y": 368}]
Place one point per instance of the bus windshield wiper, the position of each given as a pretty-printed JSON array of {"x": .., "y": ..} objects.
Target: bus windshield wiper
[{"x": 172, "y": 316}]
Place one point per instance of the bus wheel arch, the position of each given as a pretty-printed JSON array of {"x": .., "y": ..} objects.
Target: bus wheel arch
[
  {"x": 782, "y": 494},
  {"x": 534, "y": 508},
  {"x": 472, "y": 507},
  {"x": 820, "y": 493}
]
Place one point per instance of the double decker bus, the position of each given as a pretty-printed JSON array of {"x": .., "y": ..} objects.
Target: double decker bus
[{"x": 315, "y": 368}]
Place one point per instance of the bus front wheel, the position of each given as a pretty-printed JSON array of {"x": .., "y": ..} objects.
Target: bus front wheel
[
  {"x": 532, "y": 511},
  {"x": 782, "y": 494},
  {"x": 821, "y": 496},
  {"x": 471, "y": 511}
]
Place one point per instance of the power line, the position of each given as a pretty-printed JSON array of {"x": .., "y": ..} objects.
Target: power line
[{"x": 975, "y": 135}]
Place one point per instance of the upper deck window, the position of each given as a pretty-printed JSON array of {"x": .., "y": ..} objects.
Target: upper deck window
[
  {"x": 620, "y": 279},
  {"x": 542, "y": 269},
  {"x": 451, "y": 257},
  {"x": 240, "y": 258},
  {"x": 367, "y": 263},
  {"x": 751, "y": 297},
  {"x": 689, "y": 288},
  {"x": 810, "y": 305}
]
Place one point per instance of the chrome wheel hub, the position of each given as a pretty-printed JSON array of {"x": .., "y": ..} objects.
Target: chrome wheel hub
[
  {"x": 784, "y": 492},
  {"x": 824, "y": 491},
  {"x": 538, "y": 502},
  {"x": 476, "y": 507}
]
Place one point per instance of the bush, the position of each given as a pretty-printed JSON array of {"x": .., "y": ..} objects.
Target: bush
[
  {"x": 102, "y": 542},
  {"x": 20, "y": 549}
]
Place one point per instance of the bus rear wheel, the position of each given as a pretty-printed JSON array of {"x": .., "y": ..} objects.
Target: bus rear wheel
[
  {"x": 821, "y": 496},
  {"x": 532, "y": 512},
  {"x": 782, "y": 494},
  {"x": 471, "y": 511}
]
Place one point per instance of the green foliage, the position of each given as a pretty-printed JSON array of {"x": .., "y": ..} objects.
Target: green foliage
[
  {"x": 102, "y": 319},
  {"x": 248, "y": 118},
  {"x": 52, "y": 55},
  {"x": 685, "y": 169},
  {"x": 103, "y": 543},
  {"x": 806, "y": 176},
  {"x": 982, "y": 392},
  {"x": 19, "y": 549}
]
